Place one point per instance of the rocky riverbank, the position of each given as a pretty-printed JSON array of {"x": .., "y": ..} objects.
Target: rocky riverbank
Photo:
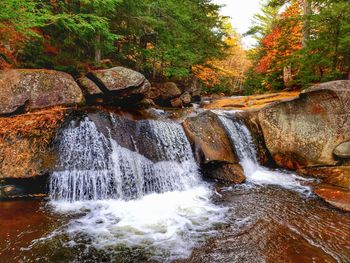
[{"x": 308, "y": 132}]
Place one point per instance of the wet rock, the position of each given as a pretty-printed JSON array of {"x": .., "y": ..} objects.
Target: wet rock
[
  {"x": 304, "y": 132},
  {"x": 145, "y": 104},
  {"x": 165, "y": 91},
  {"x": 226, "y": 173},
  {"x": 335, "y": 196},
  {"x": 176, "y": 103},
  {"x": 250, "y": 119},
  {"x": 209, "y": 139},
  {"x": 7, "y": 191},
  {"x": 336, "y": 175},
  {"x": 23, "y": 90},
  {"x": 343, "y": 150}
]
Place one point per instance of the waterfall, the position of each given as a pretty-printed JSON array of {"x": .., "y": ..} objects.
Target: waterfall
[
  {"x": 141, "y": 157},
  {"x": 244, "y": 146}
]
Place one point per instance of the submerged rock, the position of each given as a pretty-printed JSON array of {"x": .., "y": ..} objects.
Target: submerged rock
[
  {"x": 23, "y": 90},
  {"x": 336, "y": 196},
  {"x": 305, "y": 131}
]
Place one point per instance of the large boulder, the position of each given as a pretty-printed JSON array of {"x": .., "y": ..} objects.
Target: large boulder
[
  {"x": 305, "y": 132},
  {"x": 209, "y": 139},
  {"x": 24, "y": 90},
  {"x": 213, "y": 149},
  {"x": 117, "y": 84}
]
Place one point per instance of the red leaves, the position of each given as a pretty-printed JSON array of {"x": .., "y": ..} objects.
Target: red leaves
[{"x": 283, "y": 41}]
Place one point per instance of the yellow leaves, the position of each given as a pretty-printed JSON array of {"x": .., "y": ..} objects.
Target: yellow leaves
[{"x": 233, "y": 66}]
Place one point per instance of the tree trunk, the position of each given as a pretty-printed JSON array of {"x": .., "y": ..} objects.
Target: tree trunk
[
  {"x": 306, "y": 27},
  {"x": 98, "y": 49}
]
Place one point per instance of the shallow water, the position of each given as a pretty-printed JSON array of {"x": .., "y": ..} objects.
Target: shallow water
[
  {"x": 262, "y": 224},
  {"x": 271, "y": 224}
]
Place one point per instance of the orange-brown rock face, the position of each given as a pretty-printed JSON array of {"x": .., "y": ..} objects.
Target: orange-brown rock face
[
  {"x": 336, "y": 196},
  {"x": 336, "y": 175},
  {"x": 24, "y": 90},
  {"x": 209, "y": 139},
  {"x": 25, "y": 143},
  {"x": 305, "y": 132},
  {"x": 213, "y": 148}
]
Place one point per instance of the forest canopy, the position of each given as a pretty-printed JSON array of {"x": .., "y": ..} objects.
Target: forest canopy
[
  {"x": 299, "y": 43},
  {"x": 161, "y": 38}
]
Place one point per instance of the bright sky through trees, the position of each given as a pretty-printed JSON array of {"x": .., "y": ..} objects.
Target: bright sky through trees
[{"x": 241, "y": 13}]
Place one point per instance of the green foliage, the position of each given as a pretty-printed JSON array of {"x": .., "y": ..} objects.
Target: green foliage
[{"x": 162, "y": 38}]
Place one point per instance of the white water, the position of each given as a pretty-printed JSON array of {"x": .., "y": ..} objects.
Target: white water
[
  {"x": 94, "y": 167},
  {"x": 123, "y": 198},
  {"x": 166, "y": 225},
  {"x": 255, "y": 173}
]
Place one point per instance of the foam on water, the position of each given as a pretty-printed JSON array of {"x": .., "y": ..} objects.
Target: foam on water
[
  {"x": 166, "y": 225},
  {"x": 156, "y": 203},
  {"x": 255, "y": 173}
]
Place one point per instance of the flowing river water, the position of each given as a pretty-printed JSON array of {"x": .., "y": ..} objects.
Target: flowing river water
[{"x": 133, "y": 193}]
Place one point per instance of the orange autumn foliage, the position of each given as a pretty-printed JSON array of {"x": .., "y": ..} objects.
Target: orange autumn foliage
[
  {"x": 10, "y": 42},
  {"x": 283, "y": 41},
  {"x": 232, "y": 66}
]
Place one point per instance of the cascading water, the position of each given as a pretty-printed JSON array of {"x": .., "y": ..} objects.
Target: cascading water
[
  {"x": 133, "y": 184},
  {"x": 255, "y": 173},
  {"x": 94, "y": 167}
]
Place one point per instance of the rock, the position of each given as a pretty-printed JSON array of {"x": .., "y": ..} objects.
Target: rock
[
  {"x": 186, "y": 98},
  {"x": 176, "y": 103},
  {"x": 335, "y": 196},
  {"x": 24, "y": 90},
  {"x": 226, "y": 173},
  {"x": 304, "y": 132},
  {"x": 120, "y": 79},
  {"x": 25, "y": 143},
  {"x": 343, "y": 150},
  {"x": 89, "y": 87},
  {"x": 163, "y": 93},
  {"x": 145, "y": 104},
  {"x": 209, "y": 139},
  {"x": 337, "y": 175},
  {"x": 120, "y": 85}
]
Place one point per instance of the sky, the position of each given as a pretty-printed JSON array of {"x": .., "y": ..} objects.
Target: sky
[{"x": 241, "y": 13}]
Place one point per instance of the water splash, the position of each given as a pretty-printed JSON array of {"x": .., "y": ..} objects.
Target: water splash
[{"x": 242, "y": 140}]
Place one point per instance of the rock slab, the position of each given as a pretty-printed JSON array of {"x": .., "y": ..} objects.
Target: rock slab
[
  {"x": 304, "y": 132},
  {"x": 23, "y": 90}
]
